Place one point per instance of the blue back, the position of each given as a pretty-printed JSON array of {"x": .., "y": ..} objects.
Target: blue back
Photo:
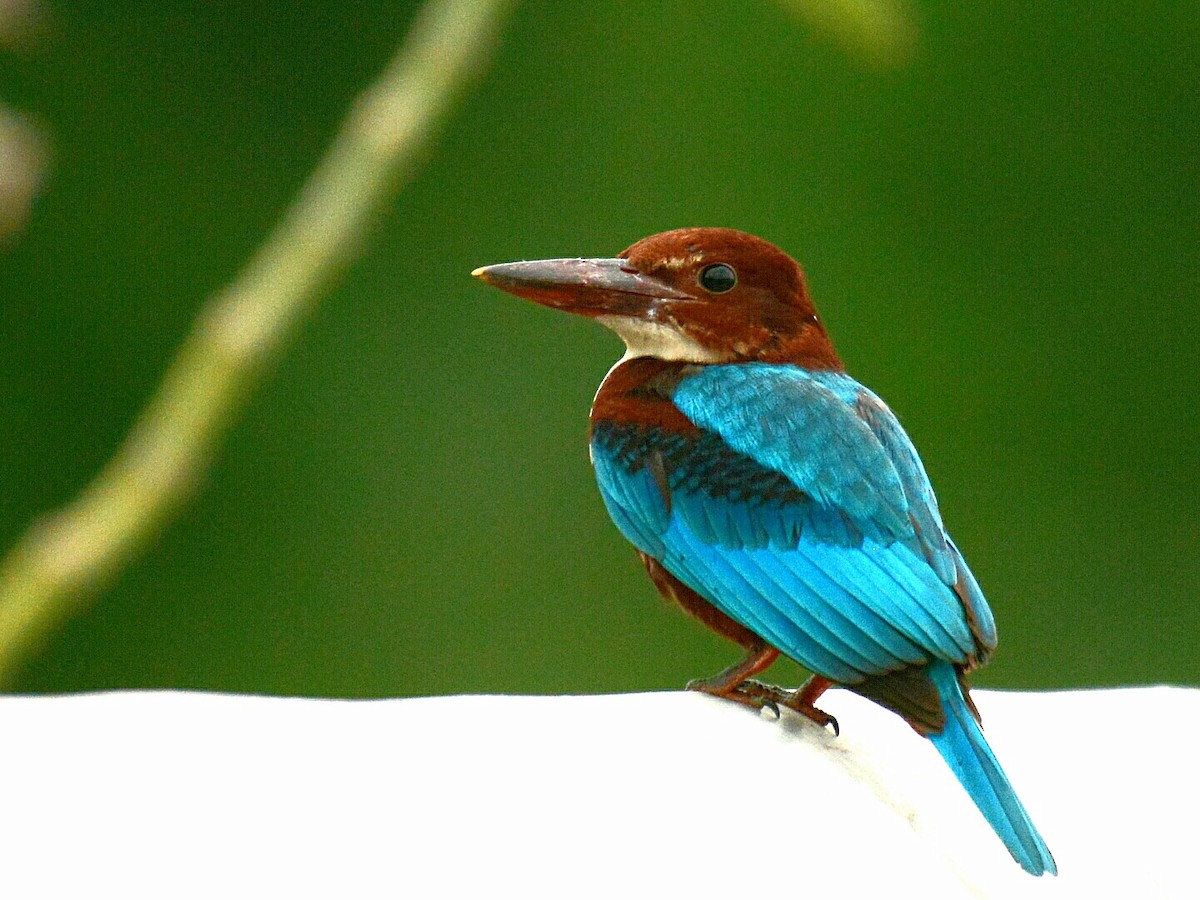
[{"x": 802, "y": 511}]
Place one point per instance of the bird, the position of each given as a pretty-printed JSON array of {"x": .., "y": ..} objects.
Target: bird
[{"x": 776, "y": 499}]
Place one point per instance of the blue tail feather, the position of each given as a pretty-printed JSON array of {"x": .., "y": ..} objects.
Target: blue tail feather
[{"x": 964, "y": 748}]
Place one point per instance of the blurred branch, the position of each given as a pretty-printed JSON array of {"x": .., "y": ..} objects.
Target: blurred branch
[
  {"x": 21, "y": 21},
  {"x": 881, "y": 33},
  {"x": 23, "y": 146},
  {"x": 239, "y": 331},
  {"x": 23, "y": 155}
]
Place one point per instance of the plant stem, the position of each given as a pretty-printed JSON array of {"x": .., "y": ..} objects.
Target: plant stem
[{"x": 62, "y": 560}]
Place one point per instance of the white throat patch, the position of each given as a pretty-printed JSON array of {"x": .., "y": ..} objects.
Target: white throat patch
[{"x": 661, "y": 341}]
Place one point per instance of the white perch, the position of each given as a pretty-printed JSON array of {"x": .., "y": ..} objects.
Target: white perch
[{"x": 648, "y": 795}]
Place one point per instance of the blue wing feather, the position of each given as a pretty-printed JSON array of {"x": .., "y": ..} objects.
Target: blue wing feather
[
  {"x": 875, "y": 644},
  {"x": 833, "y": 599},
  {"x": 985, "y": 624},
  {"x": 801, "y": 511},
  {"x": 633, "y": 502},
  {"x": 745, "y": 596},
  {"x": 844, "y": 640},
  {"x": 794, "y": 423}
]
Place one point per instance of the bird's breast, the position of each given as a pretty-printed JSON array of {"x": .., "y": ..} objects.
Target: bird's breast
[{"x": 637, "y": 392}]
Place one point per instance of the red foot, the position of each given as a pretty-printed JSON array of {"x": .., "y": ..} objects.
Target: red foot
[{"x": 758, "y": 695}]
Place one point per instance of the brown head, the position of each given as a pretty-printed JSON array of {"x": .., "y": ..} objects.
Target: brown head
[{"x": 702, "y": 295}]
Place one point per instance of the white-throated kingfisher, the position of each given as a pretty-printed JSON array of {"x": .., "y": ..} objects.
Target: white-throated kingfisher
[{"x": 775, "y": 498}]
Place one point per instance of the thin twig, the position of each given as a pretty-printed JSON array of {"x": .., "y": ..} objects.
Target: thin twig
[{"x": 63, "y": 559}]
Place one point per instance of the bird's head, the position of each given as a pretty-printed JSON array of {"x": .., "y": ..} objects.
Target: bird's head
[{"x": 701, "y": 295}]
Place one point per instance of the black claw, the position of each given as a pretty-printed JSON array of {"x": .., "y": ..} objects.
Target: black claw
[
  {"x": 837, "y": 731},
  {"x": 773, "y": 707}
]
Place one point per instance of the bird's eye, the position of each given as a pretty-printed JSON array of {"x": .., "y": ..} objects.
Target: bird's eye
[{"x": 718, "y": 278}]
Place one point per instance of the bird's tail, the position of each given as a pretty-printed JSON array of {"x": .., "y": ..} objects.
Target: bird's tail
[{"x": 966, "y": 751}]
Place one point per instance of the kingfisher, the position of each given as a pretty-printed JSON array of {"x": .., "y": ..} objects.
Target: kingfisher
[{"x": 776, "y": 499}]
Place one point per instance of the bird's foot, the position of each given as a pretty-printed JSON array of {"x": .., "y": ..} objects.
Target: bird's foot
[
  {"x": 796, "y": 703},
  {"x": 751, "y": 693},
  {"x": 804, "y": 702},
  {"x": 737, "y": 683},
  {"x": 758, "y": 696}
]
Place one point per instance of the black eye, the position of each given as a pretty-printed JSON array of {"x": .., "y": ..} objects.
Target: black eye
[{"x": 718, "y": 278}]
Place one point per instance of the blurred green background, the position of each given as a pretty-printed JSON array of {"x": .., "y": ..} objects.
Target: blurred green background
[{"x": 1001, "y": 230}]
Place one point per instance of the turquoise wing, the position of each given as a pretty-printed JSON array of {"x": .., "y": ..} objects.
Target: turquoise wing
[{"x": 798, "y": 512}]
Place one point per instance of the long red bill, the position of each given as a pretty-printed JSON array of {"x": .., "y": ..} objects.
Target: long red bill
[{"x": 586, "y": 286}]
